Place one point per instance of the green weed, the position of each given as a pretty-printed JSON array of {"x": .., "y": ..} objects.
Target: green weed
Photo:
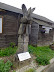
[
  {"x": 5, "y": 67},
  {"x": 8, "y": 51},
  {"x": 30, "y": 70},
  {"x": 43, "y": 54}
]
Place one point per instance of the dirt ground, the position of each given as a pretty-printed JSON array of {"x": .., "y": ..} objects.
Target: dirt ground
[{"x": 22, "y": 66}]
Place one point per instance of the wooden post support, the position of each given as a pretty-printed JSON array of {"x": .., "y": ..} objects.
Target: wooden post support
[{"x": 53, "y": 34}]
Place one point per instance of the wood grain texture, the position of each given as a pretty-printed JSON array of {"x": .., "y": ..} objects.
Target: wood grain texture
[{"x": 10, "y": 28}]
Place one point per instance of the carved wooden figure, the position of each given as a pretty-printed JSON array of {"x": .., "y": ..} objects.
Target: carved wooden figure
[{"x": 24, "y": 29}]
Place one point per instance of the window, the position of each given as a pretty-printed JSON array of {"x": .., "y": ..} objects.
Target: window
[
  {"x": 46, "y": 29},
  {"x": 0, "y": 24}
]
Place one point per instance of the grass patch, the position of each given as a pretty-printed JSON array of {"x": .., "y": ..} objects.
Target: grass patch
[
  {"x": 43, "y": 54},
  {"x": 14, "y": 71},
  {"x": 30, "y": 70},
  {"x": 5, "y": 67},
  {"x": 8, "y": 51}
]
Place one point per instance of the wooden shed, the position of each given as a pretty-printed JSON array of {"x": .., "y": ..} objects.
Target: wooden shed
[{"x": 9, "y": 24}]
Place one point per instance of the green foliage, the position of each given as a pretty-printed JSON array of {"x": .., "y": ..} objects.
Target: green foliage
[
  {"x": 30, "y": 70},
  {"x": 14, "y": 71},
  {"x": 12, "y": 44},
  {"x": 42, "y": 60},
  {"x": 53, "y": 42},
  {"x": 31, "y": 49},
  {"x": 43, "y": 54},
  {"x": 8, "y": 51},
  {"x": 5, "y": 67}
]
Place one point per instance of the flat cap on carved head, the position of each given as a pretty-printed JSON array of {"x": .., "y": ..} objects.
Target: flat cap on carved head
[{"x": 27, "y": 13}]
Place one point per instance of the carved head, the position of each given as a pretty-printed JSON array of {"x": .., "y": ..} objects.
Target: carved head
[{"x": 27, "y": 13}]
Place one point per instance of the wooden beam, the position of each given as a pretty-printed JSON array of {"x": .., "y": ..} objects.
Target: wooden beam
[
  {"x": 43, "y": 23},
  {"x": 2, "y": 10}
]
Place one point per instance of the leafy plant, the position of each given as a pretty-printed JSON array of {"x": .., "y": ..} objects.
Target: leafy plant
[
  {"x": 14, "y": 71},
  {"x": 8, "y": 51},
  {"x": 12, "y": 44},
  {"x": 30, "y": 70},
  {"x": 42, "y": 60},
  {"x": 5, "y": 67},
  {"x": 43, "y": 54}
]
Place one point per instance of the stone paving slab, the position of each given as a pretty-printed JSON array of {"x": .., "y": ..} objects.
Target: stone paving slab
[
  {"x": 41, "y": 68},
  {"x": 50, "y": 68},
  {"x": 35, "y": 66}
]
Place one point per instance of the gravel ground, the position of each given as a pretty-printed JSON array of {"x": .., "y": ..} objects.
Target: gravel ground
[{"x": 32, "y": 64}]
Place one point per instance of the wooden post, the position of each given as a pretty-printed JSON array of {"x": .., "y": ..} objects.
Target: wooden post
[
  {"x": 23, "y": 38},
  {"x": 26, "y": 40},
  {"x": 53, "y": 34},
  {"x": 34, "y": 34},
  {"x": 20, "y": 40}
]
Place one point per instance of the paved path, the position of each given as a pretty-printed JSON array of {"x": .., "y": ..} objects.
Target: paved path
[
  {"x": 50, "y": 68},
  {"x": 47, "y": 68}
]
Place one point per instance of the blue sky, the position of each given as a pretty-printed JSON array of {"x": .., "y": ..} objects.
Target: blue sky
[{"x": 43, "y": 7}]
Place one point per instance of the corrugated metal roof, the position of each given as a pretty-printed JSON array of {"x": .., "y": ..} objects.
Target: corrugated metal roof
[{"x": 17, "y": 10}]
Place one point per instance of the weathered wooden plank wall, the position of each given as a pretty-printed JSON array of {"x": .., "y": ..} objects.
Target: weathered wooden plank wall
[
  {"x": 10, "y": 28},
  {"x": 45, "y": 38}
]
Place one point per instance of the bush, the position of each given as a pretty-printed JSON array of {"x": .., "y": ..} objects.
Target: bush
[
  {"x": 12, "y": 44},
  {"x": 43, "y": 54},
  {"x": 42, "y": 60},
  {"x": 5, "y": 67},
  {"x": 30, "y": 70},
  {"x": 8, "y": 51},
  {"x": 31, "y": 49}
]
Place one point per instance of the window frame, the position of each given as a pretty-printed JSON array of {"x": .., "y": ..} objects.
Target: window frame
[{"x": 2, "y": 24}]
